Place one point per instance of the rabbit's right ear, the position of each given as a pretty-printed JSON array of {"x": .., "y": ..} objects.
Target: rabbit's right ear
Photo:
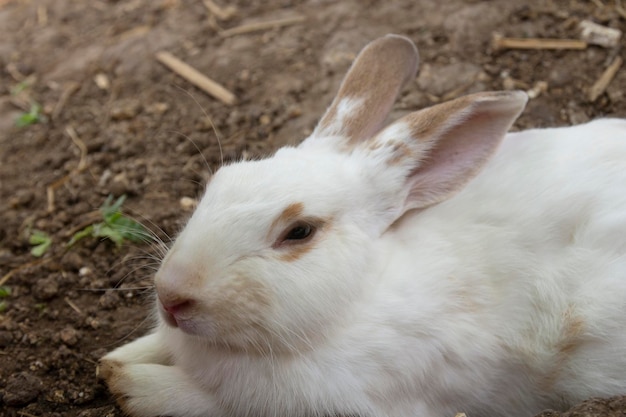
[
  {"x": 428, "y": 156},
  {"x": 368, "y": 91}
]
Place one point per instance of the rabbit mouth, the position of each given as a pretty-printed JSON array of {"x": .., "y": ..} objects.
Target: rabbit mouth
[
  {"x": 186, "y": 325},
  {"x": 177, "y": 320},
  {"x": 168, "y": 318}
]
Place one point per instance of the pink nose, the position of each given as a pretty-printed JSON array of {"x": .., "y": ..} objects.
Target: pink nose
[
  {"x": 175, "y": 287},
  {"x": 177, "y": 307}
]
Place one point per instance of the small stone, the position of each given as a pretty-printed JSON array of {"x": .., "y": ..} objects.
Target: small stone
[
  {"x": 57, "y": 396},
  {"x": 125, "y": 109},
  {"x": 265, "y": 120},
  {"x": 6, "y": 338},
  {"x": 85, "y": 271},
  {"x": 69, "y": 336},
  {"x": 93, "y": 322},
  {"x": 22, "y": 388},
  {"x": 294, "y": 111},
  {"x": 102, "y": 81},
  {"x": 73, "y": 261},
  {"x": 157, "y": 108},
  {"x": 508, "y": 83},
  {"x": 109, "y": 300},
  {"x": 46, "y": 288},
  {"x": 188, "y": 203}
]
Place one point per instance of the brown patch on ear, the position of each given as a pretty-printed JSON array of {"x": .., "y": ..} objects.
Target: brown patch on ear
[
  {"x": 289, "y": 214},
  {"x": 400, "y": 152},
  {"x": 373, "y": 145},
  {"x": 426, "y": 122},
  {"x": 374, "y": 80}
]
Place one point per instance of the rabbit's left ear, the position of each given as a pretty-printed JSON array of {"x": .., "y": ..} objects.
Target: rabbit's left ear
[
  {"x": 433, "y": 153},
  {"x": 368, "y": 92}
]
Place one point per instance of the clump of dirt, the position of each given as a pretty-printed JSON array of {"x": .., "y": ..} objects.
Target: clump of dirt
[
  {"x": 113, "y": 121},
  {"x": 605, "y": 407}
]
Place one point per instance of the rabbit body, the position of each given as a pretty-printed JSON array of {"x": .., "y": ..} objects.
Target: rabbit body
[{"x": 506, "y": 297}]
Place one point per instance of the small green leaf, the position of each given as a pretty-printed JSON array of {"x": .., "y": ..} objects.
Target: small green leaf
[
  {"x": 5, "y": 291},
  {"x": 87, "y": 231},
  {"x": 30, "y": 118},
  {"x": 41, "y": 243},
  {"x": 115, "y": 226},
  {"x": 20, "y": 87},
  {"x": 3, "y": 306}
]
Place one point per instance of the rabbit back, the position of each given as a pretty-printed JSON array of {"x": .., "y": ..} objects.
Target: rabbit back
[{"x": 525, "y": 269}]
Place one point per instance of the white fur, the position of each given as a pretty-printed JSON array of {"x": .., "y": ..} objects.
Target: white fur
[{"x": 505, "y": 299}]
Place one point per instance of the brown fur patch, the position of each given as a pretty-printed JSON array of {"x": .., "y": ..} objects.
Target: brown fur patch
[
  {"x": 373, "y": 144},
  {"x": 425, "y": 123},
  {"x": 295, "y": 252},
  {"x": 241, "y": 308},
  {"x": 240, "y": 295},
  {"x": 288, "y": 215},
  {"x": 238, "y": 306},
  {"x": 376, "y": 77},
  {"x": 112, "y": 373},
  {"x": 107, "y": 368},
  {"x": 572, "y": 330},
  {"x": 400, "y": 152}
]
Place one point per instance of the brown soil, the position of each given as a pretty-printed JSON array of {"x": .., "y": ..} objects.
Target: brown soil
[{"x": 150, "y": 135}]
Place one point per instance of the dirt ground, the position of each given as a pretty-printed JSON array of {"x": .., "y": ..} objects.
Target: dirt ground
[{"x": 115, "y": 121}]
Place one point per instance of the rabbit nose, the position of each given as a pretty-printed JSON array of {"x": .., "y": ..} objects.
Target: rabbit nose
[
  {"x": 176, "y": 284},
  {"x": 176, "y": 307}
]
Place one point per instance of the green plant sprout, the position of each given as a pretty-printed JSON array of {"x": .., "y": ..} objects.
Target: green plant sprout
[
  {"x": 5, "y": 292},
  {"x": 115, "y": 226},
  {"x": 20, "y": 87},
  {"x": 31, "y": 117},
  {"x": 41, "y": 243}
]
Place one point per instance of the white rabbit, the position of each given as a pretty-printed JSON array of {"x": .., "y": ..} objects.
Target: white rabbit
[{"x": 439, "y": 265}]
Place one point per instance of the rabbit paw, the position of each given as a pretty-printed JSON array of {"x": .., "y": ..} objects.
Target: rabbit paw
[{"x": 150, "y": 390}]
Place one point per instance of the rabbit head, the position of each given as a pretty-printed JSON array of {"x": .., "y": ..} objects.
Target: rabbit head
[{"x": 280, "y": 251}]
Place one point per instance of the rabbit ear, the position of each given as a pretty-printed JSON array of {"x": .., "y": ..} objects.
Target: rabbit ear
[
  {"x": 369, "y": 90},
  {"x": 435, "y": 152}
]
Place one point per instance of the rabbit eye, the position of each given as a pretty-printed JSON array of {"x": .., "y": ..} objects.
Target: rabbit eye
[{"x": 299, "y": 232}]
